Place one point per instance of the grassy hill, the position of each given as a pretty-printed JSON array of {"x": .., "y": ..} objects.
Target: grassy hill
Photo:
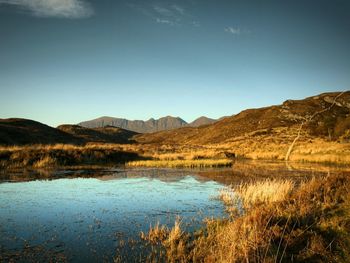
[
  {"x": 108, "y": 134},
  {"x": 333, "y": 121},
  {"x": 23, "y": 131},
  {"x": 315, "y": 129}
]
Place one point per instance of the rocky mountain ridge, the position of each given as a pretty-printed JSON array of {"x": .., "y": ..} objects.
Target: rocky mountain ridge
[{"x": 149, "y": 126}]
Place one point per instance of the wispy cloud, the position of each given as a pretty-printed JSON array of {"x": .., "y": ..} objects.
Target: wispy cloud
[
  {"x": 167, "y": 13},
  {"x": 164, "y": 21},
  {"x": 236, "y": 30},
  {"x": 53, "y": 8},
  {"x": 233, "y": 30},
  {"x": 179, "y": 9}
]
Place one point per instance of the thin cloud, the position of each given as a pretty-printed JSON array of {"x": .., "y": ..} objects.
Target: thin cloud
[
  {"x": 166, "y": 13},
  {"x": 174, "y": 14},
  {"x": 237, "y": 31},
  {"x": 164, "y": 21},
  {"x": 53, "y": 8},
  {"x": 163, "y": 11},
  {"x": 233, "y": 30},
  {"x": 179, "y": 9}
]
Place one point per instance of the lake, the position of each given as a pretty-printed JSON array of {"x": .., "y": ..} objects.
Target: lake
[
  {"x": 93, "y": 219},
  {"x": 96, "y": 215}
]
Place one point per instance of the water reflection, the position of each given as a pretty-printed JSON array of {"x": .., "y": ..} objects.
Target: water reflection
[
  {"x": 89, "y": 215},
  {"x": 87, "y": 219},
  {"x": 252, "y": 170}
]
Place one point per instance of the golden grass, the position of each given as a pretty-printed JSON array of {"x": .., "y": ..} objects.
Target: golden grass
[
  {"x": 45, "y": 162},
  {"x": 172, "y": 239},
  {"x": 181, "y": 163},
  {"x": 309, "y": 224},
  {"x": 46, "y": 156},
  {"x": 266, "y": 191},
  {"x": 155, "y": 233},
  {"x": 273, "y": 145}
]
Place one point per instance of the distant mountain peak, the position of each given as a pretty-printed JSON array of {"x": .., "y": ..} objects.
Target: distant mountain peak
[
  {"x": 152, "y": 125},
  {"x": 203, "y": 120}
]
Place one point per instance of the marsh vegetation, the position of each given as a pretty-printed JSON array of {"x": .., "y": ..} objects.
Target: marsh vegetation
[
  {"x": 254, "y": 210},
  {"x": 182, "y": 163},
  {"x": 270, "y": 221}
]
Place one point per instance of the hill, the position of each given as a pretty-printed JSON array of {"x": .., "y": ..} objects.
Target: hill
[
  {"x": 152, "y": 125},
  {"x": 108, "y": 134},
  {"x": 325, "y": 115},
  {"x": 17, "y": 131},
  {"x": 315, "y": 129},
  {"x": 22, "y": 131},
  {"x": 201, "y": 121}
]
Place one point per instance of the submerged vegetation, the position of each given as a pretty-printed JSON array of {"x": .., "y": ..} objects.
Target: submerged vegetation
[{"x": 279, "y": 222}]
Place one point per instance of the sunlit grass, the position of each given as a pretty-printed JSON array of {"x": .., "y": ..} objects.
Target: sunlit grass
[
  {"x": 267, "y": 191},
  {"x": 182, "y": 163},
  {"x": 48, "y": 156},
  {"x": 281, "y": 222}
]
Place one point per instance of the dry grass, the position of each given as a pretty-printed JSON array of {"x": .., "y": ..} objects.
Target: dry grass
[
  {"x": 155, "y": 233},
  {"x": 182, "y": 163},
  {"x": 267, "y": 191},
  {"x": 172, "y": 239},
  {"x": 309, "y": 224},
  {"x": 45, "y": 162},
  {"x": 250, "y": 194},
  {"x": 273, "y": 145},
  {"x": 46, "y": 156}
]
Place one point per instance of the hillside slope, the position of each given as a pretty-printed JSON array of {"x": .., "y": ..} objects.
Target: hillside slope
[
  {"x": 332, "y": 121},
  {"x": 17, "y": 131},
  {"x": 22, "y": 131},
  {"x": 201, "y": 121},
  {"x": 106, "y": 134}
]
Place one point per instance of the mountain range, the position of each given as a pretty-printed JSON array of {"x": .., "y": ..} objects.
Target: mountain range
[
  {"x": 323, "y": 116},
  {"x": 149, "y": 126}
]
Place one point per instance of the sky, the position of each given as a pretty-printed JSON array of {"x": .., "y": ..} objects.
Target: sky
[{"x": 67, "y": 61}]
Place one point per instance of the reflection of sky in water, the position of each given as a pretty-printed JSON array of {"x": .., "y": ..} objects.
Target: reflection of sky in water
[{"x": 87, "y": 217}]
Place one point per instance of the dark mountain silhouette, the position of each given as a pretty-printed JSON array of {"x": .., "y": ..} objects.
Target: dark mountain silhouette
[
  {"x": 22, "y": 131},
  {"x": 334, "y": 121},
  {"x": 108, "y": 134},
  {"x": 152, "y": 125}
]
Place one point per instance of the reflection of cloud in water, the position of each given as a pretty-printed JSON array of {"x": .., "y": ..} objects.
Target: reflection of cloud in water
[{"x": 164, "y": 175}]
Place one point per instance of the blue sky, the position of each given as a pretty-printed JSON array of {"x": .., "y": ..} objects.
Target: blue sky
[{"x": 69, "y": 61}]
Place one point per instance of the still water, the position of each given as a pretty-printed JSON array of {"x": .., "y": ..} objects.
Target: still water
[
  {"x": 96, "y": 215},
  {"x": 96, "y": 219}
]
